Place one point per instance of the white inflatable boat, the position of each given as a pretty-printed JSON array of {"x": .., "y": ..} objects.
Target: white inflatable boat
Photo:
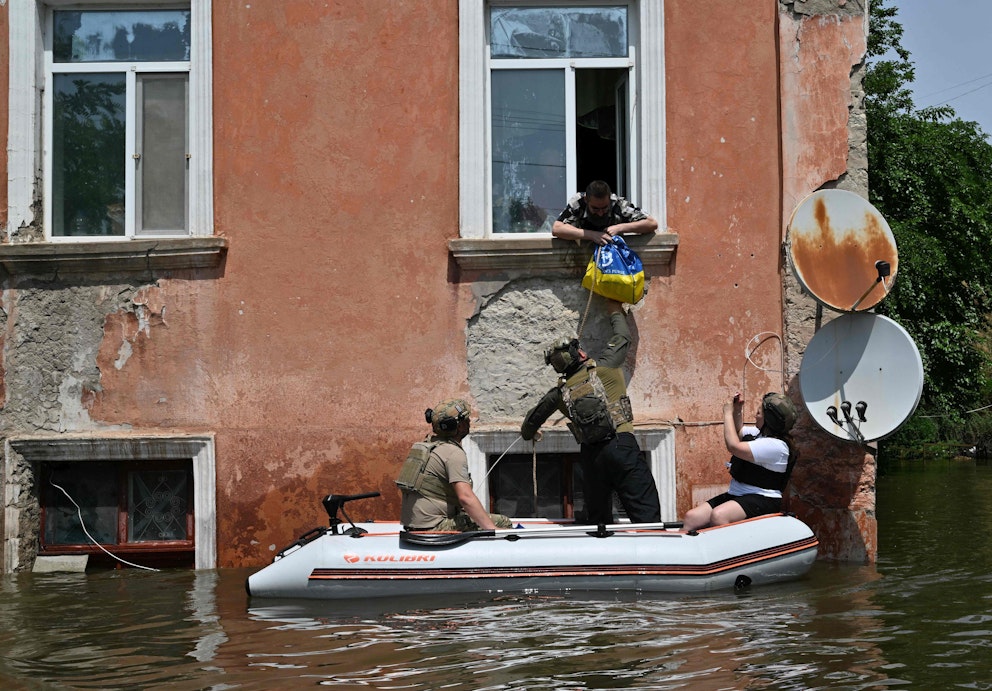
[{"x": 363, "y": 560}]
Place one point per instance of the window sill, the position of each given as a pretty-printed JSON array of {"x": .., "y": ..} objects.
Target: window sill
[
  {"x": 656, "y": 251},
  {"x": 127, "y": 256}
]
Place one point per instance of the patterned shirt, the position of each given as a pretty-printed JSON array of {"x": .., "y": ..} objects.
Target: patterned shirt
[{"x": 621, "y": 211}]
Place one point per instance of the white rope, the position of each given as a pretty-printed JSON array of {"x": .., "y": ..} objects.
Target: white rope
[
  {"x": 747, "y": 358},
  {"x": 582, "y": 324},
  {"x": 519, "y": 437},
  {"x": 967, "y": 412},
  {"x": 79, "y": 511},
  {"x": 533, "y": 471}
]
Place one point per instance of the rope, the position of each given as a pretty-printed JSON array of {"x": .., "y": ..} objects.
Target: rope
[
  {"x": 533, "y": 472},
  {"x": 519, "y": 437},
  {"x": 747, "y": 358},
  {"x": 967, "y": 412},
  {"x": 585, "y": 315},
  {"x": 82, "y": 525}
]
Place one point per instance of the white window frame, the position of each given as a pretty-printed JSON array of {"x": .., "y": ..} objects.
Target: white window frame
[
  {"x": 658, "y": 445},
  {"x": 27, "y": 117},
  {"x": 647, "y": 126}
]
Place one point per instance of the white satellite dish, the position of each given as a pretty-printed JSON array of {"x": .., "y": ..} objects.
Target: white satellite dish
[
  {"x": 861, "y": 377},
  {"x": 839, "y": 247}
]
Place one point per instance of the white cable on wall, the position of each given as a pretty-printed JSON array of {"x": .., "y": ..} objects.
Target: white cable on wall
[{"x": 79, "y": 512}]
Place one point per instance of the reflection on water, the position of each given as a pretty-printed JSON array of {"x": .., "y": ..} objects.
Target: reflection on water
[{"x": 921, "y": 619}]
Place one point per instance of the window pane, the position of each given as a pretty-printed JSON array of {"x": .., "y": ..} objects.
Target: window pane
[
  {"x": 162, "y": 166},
  {"x": 528, "y": 131},
  {"x": 93, "y": 486},
  {"x": 556, "y": 32},
  {"x": 88, "y": 125},
  {"x": 157, "y": 501},
  {"x": 512, "y": 486},
  {"x": 128, "y": 36}
]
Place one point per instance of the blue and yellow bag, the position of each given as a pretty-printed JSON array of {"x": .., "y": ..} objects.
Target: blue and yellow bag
[{"x": 615, "y": 271}]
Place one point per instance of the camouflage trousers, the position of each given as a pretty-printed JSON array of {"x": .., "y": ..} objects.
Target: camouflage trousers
[{"x": 462, "y": 523}]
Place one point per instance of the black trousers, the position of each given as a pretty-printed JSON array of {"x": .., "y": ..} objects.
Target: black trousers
[{"x": 617, "y": 465}]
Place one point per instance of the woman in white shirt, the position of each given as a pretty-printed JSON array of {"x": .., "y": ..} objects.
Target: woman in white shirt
[{"x": 762, "y": 460}]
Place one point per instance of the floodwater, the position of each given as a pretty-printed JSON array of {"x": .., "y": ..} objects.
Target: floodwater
[{"x": 921, "y": 618}]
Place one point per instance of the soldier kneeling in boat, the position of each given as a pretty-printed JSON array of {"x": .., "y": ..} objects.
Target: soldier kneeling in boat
[{"x": 436, "y": 485}]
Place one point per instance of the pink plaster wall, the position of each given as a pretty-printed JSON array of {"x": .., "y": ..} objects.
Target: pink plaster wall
[
  {"x": 4, "y": 89},
  {"x": 336, "y": 148},
  {"x": 339, "y": 312},
  {"x": 833, "y": 487},
  {"x": 723, "y": 200}
]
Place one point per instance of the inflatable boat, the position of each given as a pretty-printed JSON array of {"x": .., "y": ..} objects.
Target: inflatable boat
[{"x": 364, "y": 560}]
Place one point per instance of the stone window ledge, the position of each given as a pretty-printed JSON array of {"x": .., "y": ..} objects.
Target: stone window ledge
[
  {"x": 45, "y": 259},
  {"x": 531, "y": 253}
]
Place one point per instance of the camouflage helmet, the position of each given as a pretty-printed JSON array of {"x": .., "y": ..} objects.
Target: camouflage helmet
[
  {"x": 563, "y": 355},
  {"x": 779, "y": 412},
  {"x": 446, "y": 415}
]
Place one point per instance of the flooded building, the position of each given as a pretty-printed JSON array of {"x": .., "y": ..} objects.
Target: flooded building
[{"x": 246, "y": 245}]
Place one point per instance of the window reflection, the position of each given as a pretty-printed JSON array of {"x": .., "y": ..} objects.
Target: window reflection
[
  {"x": 88, "y": 128},
  {"x": 114, "y": 36},
  {"x": 528, "y": 131},
  {"x": 554, "y": 32}
]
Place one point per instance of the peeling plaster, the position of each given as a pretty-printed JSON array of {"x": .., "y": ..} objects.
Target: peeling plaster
[
  {"x": 507, "y": 337},
  {"x": 123, "y": 354},
  {"x": 824, "y": 145},
  {"x": 484, "y": 291},
  {"x": 820, "y": 7},
  {"x": 51, "y": 355}
]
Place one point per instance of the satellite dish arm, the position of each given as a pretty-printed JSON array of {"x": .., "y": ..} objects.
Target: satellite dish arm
[{"x": 883, "y": 269}]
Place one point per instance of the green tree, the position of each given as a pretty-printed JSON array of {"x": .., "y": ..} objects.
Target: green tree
[{"x": 930, "y": 176}]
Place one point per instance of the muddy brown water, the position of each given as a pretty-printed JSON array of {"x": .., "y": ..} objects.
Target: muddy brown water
[{"x": 921, "y": 618}]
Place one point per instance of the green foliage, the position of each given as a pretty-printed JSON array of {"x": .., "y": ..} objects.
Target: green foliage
[
  {"x": 931, "y": 178},
  {"x": 917, "y": 432}
]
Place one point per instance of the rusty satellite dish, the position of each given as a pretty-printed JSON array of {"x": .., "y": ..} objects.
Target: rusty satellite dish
[
  {"x": 841, "y": 250},
  {"x": 861, "y": 377}
]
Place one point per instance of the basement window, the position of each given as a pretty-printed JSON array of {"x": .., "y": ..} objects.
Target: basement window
[
  {"x": 148, "y": 499},
  {"x": 139, "y": 511},
  {"x": 551, "y": 96},
  {"x": 558, "y": 490},
  {"x": 504, "y": 481},
  {"x": 551, "y": 488}
]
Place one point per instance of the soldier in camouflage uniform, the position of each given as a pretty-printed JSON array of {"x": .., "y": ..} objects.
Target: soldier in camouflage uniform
[
  {"x": 593, "y": 395},
  {"x": 598, "y": 215},
  {"x": 435, "y": 482}
]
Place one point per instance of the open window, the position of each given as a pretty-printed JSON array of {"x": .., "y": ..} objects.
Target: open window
[
  {"x": 560, "y": 109},
  {"x": 551, "y": 96}
]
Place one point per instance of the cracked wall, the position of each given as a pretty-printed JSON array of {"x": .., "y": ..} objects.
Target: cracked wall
[
  {"x": 340, "y": 315},
  {"x": 53, "y": 337},
  {"x": 507, "y": 338},
  {"x": 825, "y": 146}
]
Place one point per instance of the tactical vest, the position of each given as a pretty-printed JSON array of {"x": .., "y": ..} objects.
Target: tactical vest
[
  {"x": 414, "y": 477},
  {"x": 593, "y": 418},
  {"x": 759, "y": 476}
]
